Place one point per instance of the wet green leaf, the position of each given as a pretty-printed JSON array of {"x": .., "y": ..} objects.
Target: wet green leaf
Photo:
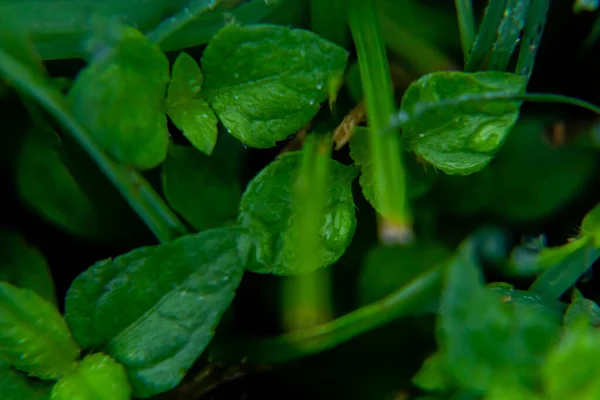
[
  {"x": 175, "y": 294},
  {"x": 33, "y": 335},
  {"x": 204, "y": 190},
  {"x": 462, "y": 138},
  {"x": 188, "y": 111},
  {"x": 17, "y": 386},
  {"x": 387, "y": 268},
  {"x": 504, "y": 343},
  {"x": 572, "y": 369},
  {"x": 24, "y": 266},
  {"x": 97, "y": 377},
  {"x": 119, "y": 98},
  {"x": 265, "y": 82},
  {"x": 267, "y": 210},
  {"x": 528, "y": 180}
]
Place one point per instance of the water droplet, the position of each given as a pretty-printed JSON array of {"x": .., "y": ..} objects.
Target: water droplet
[
  {"x": 235, "y": 96},
  {"x": 311, "y": 102},
  {"x": 421, "y": 135},
  {"x": 319, "y": 86},
  {"x": 236, "y": 75},
  {"x": 204, "y": 115}
]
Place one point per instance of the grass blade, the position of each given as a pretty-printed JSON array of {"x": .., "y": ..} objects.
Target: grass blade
[
  {"x": 390, "y": 176},
  {"x": 593, "y": 36},
  {"x": 329, "y": 20},
  {"x": 139, "y": 194},
  {"x": 510, "y": 29},
  {"x": 487, "y": 35},
  {"x": 532, "y": 36},
  {"x": 466, "y": 24}
]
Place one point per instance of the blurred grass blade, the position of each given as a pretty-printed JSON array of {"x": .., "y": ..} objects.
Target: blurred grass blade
[
  {"x": 486, "y": 35},
  {"x": 532, "y": 36},
  {"x": 138, "y": 193},
  {"x": 509, "y": 31},
  {"x": 329, "y": 20},
  {"x": 389, "y": 173},
  {"x": 466, "y": 24},
  {"x": 594, "y": 34},
  {"x": 181, "y": 19}
]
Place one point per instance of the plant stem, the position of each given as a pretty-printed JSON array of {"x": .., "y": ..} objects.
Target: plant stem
[
  {"x": 139, "y": 194},
  {"x": 466, "y": 24},
  {"x": 390, "y": 176},
  {"x": 404, "y": 301},
  {"x": 487, "y": 35}
]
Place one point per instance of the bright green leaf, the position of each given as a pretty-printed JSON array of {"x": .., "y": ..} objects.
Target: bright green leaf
[
  {"x": 175, "y": 295},
  {"x": 17, "y": 386},
  {"x": 572, "y": 369},
  {"x": 97, "y": 377},
  {"x": 462, "y": 138},
  {"x": 265, "y": 81},
  {"x": 487, "y": 339},
  {"x": 188, "y": 111},
  {"x": 387, "y": 268},
  {"x": 267, "y": 210},
  {"x": 434, "y": 374},
  {"x": 591, "y": 225},
  {"x": 119, "y": 98},
  {"x": 24, "y": 266},
  {"x": 33, "y": 335},
  {"x": 202, "y": 189}
]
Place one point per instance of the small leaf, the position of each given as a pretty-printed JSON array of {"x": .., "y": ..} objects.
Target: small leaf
[
  {"x": 33, "y": 335},
  {"x": 17, "y": 386},
  {"x": 119, "y": 98},
  {"x": 487, "y": 339},
  {"x": 24, "y": 266},
  {"x": 462, "y": 138},
  {"x": 175, "y": 294},
  {"x": 267, "y": 210},
  {"x": 434, "y": 375},
  {"x": 97, "y": 377},
  {"x": 188, "y": 111},
  {"x": 572, "y": 369},
  {"x": 202, "y": 189},
  {"x": 265, "y": 81},
  {"x": 582, "y": 308}
]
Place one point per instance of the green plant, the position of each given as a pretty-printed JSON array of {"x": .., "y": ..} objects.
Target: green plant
[{"x": 93, "y": 156}]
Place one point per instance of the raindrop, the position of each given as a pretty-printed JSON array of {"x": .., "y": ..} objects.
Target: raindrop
[
  {"x": 235, "y": 96},
  {"x": 319, "y": 86},
  {"x": 236, "y": 75},
  {"x": 205, "y": 115},
  {"x": 311, "y": 102}
]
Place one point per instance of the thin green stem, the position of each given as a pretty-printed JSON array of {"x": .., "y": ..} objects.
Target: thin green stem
[
  {"x": 401, "y": 117},
  {"x": 138, "y": 193},
  {"x": 389, "y": 173},
  {"x": 487, "y": 35},
  {"x": 404, "y": 301},
  {"x": 466, "y": 24}
]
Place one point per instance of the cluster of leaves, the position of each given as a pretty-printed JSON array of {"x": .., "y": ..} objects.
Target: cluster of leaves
[{"x": 134, "y": 324}]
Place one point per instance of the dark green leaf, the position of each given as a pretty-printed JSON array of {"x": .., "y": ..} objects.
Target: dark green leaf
[
  {"x": 17, "y": 386},
  {"x": 572, "y": 369},
  {"x": 487, "y": 339},
  {"x": 97, "y": 377},
  {"x": 119, "y": 98},
  {"x": 188, "y": 111},
  {"x": 463, "y": 138},
  {"x": 265, "y": 81},
  {"x": 267, "y": 210},
  {"x": 33, "y": 335},
  {"x": 175, "y": 295},
  {"x": 24, "y": 266},
  {"x": 528, "y": 180},
  {"x": 203, "y": 189},
  {"x": 388, "y": 268}
]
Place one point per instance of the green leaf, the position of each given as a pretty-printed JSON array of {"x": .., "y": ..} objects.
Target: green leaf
[
  {"x": 33, "y": 335},
  {"x": 175, "y": 294},
  {"x": 203, "y": 189},
  {"x": 24, "y": 266},
  {"x": 97, "y": 377},
  {"x": 267, "y": 210},
  {"x": 487, "y": 339},
  {"x": 265, "y": 81},
  {"x": 119, "y": 98},
  {"x": 17, "y": 386},
  {"x": 46, "y": 185},
  {"x": 14, "y": 39},
  {"x": 418, "y": 180},
  {"x": 564, "y": 265},
  {"x": 528, "y": 180},
  {"x": 188, "y": 111},
  {"x": 591, "y": 225},
  {"x": 582, "y": 308},
  {"x": 434, "y": 374},
  {"x": 388, "y": 268},
  {"x": 572, "y": 369},
  {"x": 463, "y": 138}
]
